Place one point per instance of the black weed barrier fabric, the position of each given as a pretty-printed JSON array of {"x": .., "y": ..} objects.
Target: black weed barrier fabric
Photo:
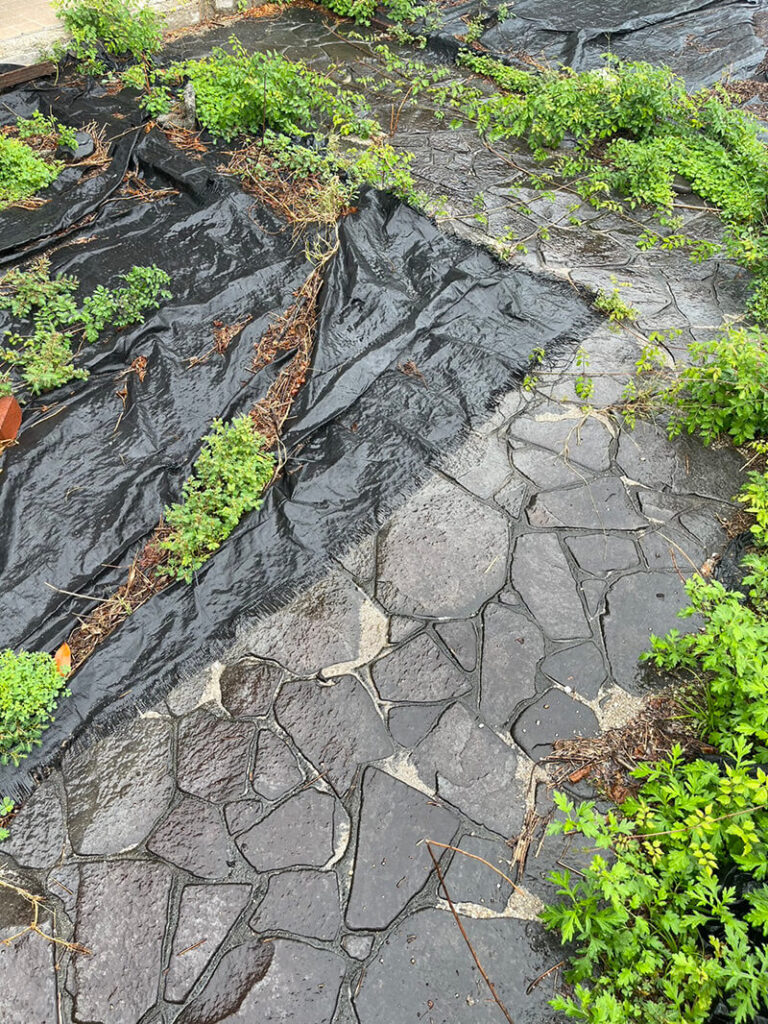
[{"x": 90, "y": 476}]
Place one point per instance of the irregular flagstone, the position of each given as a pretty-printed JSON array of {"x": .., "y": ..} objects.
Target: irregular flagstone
[
  {"x": 423, "y": 972},
  {"x": 460, "y": 638},
  {"x": 646, "y": 454},
  {"x": 301, "y": 902},
  {"x": 121, "y": 912},
  {"x": 481, "y": 465},
  {"x": 581, "y": 668},
  {"x": 553, "y": 716},
  {"x": 391, "y": 861},
  {"x": 303, "y": 831},
  {"x": 358, "y": 946},
  {"x": 442, "y": 555},
  {"x": 38, "y": 836},
  {"x": 637, "y": 606},
  {"x": 300, "y": 984},
  {"x": 331, "y": 627},
  {"x": 337, "y": 727},
  {"x": 474, "y": 770},
  {"x": 248, "y": 687},
  {"x": 275, "y": 769},
  {"x": 418, "y": 671},
  {"x": 470, "y": 881},
  {"x": 511, "y": 497},
  {"x": 193, "y": 837},
  {"x": 512, "y": 648},
  {"x": 27, "y": 979},
  {"x": 242, "y": 814},
  {"x": 410, "y": 723},
  {"x": 582, "y": 439},
  {"x": 119, "y": 787},
  {"x": 602, "y": 503},
  {"x": 206, "y": 914},
  {"x": 214, "y": 756},
  {"x": 542, "y": 577},
  {"x": 548, "y": 470},
  {"x": 603, "y": 552},
  {"x": 237, "y": 971}
]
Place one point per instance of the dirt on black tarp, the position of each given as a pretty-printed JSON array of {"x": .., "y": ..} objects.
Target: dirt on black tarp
[{"x": 92, "y": 470}]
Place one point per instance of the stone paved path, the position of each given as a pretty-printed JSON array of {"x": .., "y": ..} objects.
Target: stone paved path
[{"x": 252, "y": 849}]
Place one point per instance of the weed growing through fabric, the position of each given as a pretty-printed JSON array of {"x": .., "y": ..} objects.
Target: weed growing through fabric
[
  {"x": 228, "y": 480},
  {"x": 113, "y": 27},
  {"x": 30, "y": 686},
  {"x": 44, "y": 358},
  {"x": 611, "y": 304}
]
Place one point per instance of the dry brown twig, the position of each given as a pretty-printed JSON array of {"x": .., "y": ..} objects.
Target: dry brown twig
[{"x": 36, "y": 903}]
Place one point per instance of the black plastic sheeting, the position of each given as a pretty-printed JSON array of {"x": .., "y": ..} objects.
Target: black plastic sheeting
[{"x": 80, "y": 491}]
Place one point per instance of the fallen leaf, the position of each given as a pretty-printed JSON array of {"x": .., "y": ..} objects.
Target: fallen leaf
[
  {"x": 63, "y": 660},
  {"x": 580, "y": 773}
]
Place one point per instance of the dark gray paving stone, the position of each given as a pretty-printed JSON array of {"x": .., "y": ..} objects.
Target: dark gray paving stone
[
  {"x": 707, "y": 529},
  {"x": 638, "y": 605},
  {"x": 300, "y": 984},
  {"x": 474, "y": 770},
  {"x": 236, "y": 973},
  {"x": 360, "y": 560},
  {"x": 423, "y": 972},
  {"x": 460, "y": 638},
  {"x": 554, "y": 716},
  {"x": 470, "y": 881},
  {"x": 193, "y": 837},
  {"x": 118, "y": 983},
  {"x": 580, "y": 668},
  {"x": 15, "y": 909},
  {"x": 390, "y": 865},
  {"x": 418, "y": 670},
  {"x": 248, "y": 687},
  {"x": 661, "y": 506},
  {"x": 305, "y": 903},
  {"x": 63, "y": 883},
  {"x": 512, "y": 496},
  {"x": 548, "y": 470},
  {"x": 358, "y": 946},
  {"x": 38, "y": 836},
  {"x": 512, "y": 648},
  {"x": 206, "y": 914},
  {"x": 646, "y": 454},
  {"x": 712, "y": 473},
  {"x": 480, "y": 464},
  {"x": 119, "y": 787},
  {"x": 602, "y": 504},
  {"x": 213, "y": 757},
  {"x": 410, "y": 723},
  {"x": 275, "y": 769},
  {"x": 302, "y": 831},
  {"x": 443, "y": 554},
  {"x": 242, "y": 814},
  {"x": 320, "y": 629},
  {"x": 593, "y": 592},
  {"x": 669, "y": 548},
  {"x": 27, "y": 979},
  {"x": 584, "y": 440},
  {"x": 336, "y": 727},
  {"x": 542, "y": 577},
  {"x": 603, "y": 552},
  {"x": 401, "y": 627}
]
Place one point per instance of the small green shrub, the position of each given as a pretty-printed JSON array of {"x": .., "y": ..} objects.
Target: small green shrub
[
  {"x": 118, "y": 27},
  {"x": 50, "y": 127},
  {"x": 611, "y": 305},
  {"x": 23, "y": 172},
  {"x": 724, "y": 390},
  {"x": 240, "y": 92},
  {"x": 30, "y": 685},
  {"x": 44, "y": 358},
  {"x": 228, "y": 480}
]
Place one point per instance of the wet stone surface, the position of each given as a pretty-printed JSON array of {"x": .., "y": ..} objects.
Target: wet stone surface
[{"x": 262, "y": 857}]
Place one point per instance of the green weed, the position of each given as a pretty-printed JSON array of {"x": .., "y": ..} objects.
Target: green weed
[{"x": 30, "y": 686}]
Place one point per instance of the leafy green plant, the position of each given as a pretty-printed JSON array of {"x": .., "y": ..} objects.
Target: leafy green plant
[
  {"x": 30, "y": 686},
  {"x": 228, "y": 480},
  {"x": 611, "y": 304},
  {"x": 40, "y": 125},
  {"x": 44, "y": 358},
  {"x": 7, "y": 807},
  {"x": 115, "y": 27},
  {"x": 23, "y": 172}
]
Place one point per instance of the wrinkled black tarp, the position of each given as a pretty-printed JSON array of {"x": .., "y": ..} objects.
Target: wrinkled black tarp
[{"x": 80, "y": 491}]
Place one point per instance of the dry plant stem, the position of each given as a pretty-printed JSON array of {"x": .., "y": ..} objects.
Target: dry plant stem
[
  {"x": 34, "y": 925},
  {"x": 464, "y": 935},
  {"x": 474, "y": 856}
]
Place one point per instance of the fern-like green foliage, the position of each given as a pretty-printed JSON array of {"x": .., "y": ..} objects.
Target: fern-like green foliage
[
  {"x": 228, "y": 480},
  {"x": 30, "y": 685},
  {"x": 44, "y": 356}
]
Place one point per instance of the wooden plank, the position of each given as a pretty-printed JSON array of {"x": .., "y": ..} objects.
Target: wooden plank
[{"x": 28, "y": 74}]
